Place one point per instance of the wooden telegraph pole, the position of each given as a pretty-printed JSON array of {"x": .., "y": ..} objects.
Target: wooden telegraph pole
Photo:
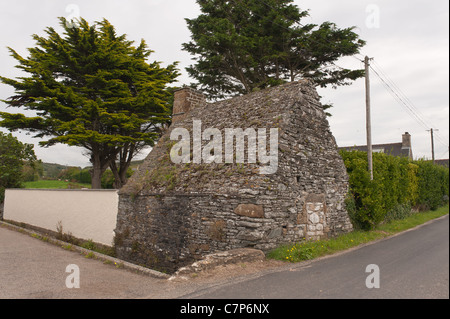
[
  {"x": 368, "y": 119},
  {"x": 432, "y": 144}
]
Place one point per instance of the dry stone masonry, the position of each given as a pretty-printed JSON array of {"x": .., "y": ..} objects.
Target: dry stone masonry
[{"x": 171, "y": 215}]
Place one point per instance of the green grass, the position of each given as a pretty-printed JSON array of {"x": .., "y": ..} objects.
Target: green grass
[
  {"x": 308, "y": 250},
  {"x": 54, "y": 184}
]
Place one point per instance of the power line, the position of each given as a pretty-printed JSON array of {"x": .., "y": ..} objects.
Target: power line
[
  {"x": 400, "y": 92},
  {"x": 400, "y": 99},
  {"x": 389, "y": 85},
  {"x": 404, "y": 101}
]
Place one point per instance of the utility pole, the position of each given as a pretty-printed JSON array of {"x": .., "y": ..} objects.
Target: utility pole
[
  {"x": 432, "y": 143},
  {"x": 368, "y": 119}
]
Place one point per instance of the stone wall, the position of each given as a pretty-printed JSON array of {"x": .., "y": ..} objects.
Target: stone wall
[{"x": 172, "y": 214}]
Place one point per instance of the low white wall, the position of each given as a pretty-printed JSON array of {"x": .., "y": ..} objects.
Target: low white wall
[{"x": 86, "y": 214}]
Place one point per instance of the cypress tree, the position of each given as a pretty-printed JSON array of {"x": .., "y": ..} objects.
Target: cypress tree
[{"x": 92, "y": 88}]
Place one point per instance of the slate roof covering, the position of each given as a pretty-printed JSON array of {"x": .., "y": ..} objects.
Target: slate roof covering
[
  {"x": 393, "y": 149},
  {"x": 442, "y": 162}
]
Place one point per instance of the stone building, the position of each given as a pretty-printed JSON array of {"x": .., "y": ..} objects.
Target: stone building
[{"x": 171, "y": 214}]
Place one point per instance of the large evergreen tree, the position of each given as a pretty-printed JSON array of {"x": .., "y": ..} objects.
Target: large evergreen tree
[
  {"x": 243, "y": 45},
  {"x": 91, "y": 88}
]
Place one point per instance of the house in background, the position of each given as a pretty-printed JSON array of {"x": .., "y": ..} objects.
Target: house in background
[
  {"x": 442, "y": 162},
  {"x": 402, "y": 149}
]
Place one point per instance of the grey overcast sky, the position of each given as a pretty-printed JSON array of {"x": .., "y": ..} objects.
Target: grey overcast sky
[{"x": 409, "y": 41}]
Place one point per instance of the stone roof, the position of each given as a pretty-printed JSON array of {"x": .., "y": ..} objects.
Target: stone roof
[{"x": 293, "y": 108}]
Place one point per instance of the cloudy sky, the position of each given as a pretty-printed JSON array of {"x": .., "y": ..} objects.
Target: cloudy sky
[{"x": 409, "y": 41}]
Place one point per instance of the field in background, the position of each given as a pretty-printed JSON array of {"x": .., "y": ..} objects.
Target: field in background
[{"x": 55, "y": 184}]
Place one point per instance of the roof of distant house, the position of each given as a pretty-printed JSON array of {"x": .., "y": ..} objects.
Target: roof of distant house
[
  {"x": 394, "y": 149},
  {"x": 442, "y": 162},
  {"x": 402, "y": 149}
]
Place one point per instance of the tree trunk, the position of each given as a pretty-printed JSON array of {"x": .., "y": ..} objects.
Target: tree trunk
[
  {"x": 99, "y": 166},
  {"x": 117, "y": 180},
  {"x": 126, "y": 154},
  {"x": 120, "y": 174},
  {"x": 96, "y": 176},
  {"x": 123, "y": 176}
]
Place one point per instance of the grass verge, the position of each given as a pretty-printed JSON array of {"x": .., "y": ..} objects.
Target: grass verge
[
  {"x": 313, "y": 249},
  {"x": 53, "y": 184}
]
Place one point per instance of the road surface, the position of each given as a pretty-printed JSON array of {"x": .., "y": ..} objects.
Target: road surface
[{"x": 414, "y": 264}]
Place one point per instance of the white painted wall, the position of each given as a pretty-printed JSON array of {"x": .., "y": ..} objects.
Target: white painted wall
[{"x": 86, "y": 214}]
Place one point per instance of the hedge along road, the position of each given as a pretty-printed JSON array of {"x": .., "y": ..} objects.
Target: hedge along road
[{"x": 413, "y": 264}]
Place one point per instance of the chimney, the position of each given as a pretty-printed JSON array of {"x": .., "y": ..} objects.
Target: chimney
[
  {"x": 186, "y": 99},
  {"x": 406, "y": 140}
]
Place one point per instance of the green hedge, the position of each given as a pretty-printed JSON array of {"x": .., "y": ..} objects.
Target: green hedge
[
  {"x": 398, "y": 185},
  {"x": 433, "y": 184},
  {"x": 83, "y": 176}
]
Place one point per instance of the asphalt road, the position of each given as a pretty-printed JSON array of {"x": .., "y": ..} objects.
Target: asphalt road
[
  {"x": 414, "y": 264},
  {"x": 33, "y": 269}
]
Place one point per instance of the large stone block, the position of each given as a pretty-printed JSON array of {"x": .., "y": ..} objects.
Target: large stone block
[{"x": 250, "y": 210}]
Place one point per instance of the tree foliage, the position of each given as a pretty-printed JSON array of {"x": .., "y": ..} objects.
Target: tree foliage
[
  {"x": 92, "y": 88},
  {"x": 13, "y": 156},
  {"x": 244, "y": 45},
  {"x": 79, "y": 175}
]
